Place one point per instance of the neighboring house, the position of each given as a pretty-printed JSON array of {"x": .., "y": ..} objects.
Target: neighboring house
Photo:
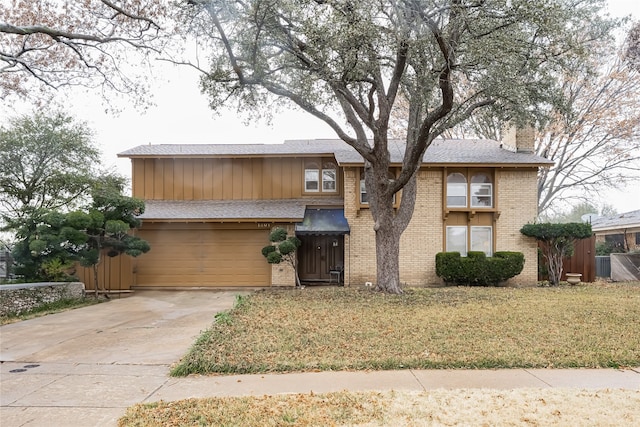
[
  {"x": 209, "y": 210},
  {"x": 621, "y": 231},
  {"x": 5, "y": 263}
]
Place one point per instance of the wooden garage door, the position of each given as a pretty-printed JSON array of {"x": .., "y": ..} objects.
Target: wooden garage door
[{"x": 203, "y": 257}]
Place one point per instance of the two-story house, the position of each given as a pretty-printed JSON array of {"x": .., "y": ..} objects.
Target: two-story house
[{"x": 210, "y": 208}]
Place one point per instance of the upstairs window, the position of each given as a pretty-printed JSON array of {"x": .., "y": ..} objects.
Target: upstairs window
[
  {"x": 329, "y": 177},
  {"x": 456, "y": 190},
  {"x": 311, "y": 178},
  {"x": 320, "y": 177},
  {"x": 467, "y": 189},
  {"x": 364, "y": 197},
  {"x": 481, "y": 191}
]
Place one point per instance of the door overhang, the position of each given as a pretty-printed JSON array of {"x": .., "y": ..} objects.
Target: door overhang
[{"x": 323, "y": 222}]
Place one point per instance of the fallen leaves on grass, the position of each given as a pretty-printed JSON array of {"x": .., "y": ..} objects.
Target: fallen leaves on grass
[{"x": 522, "y": 407}]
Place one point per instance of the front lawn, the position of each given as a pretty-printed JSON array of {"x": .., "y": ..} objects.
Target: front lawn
[{"x": 594, "y": 325}]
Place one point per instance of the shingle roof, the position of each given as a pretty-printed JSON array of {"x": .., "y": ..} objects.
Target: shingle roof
[
  {"x": 307, "y": 147},
  {"x": 231, "y": 209},
  {"x": 440, "y": 152},
  {"x": 627, "y": 219}
]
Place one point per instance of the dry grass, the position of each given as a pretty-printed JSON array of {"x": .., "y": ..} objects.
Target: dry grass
[
  {"x": 48, "y": 308},
  {"x": 524, "y": 407},
  {"x": 593, "y": 325}
]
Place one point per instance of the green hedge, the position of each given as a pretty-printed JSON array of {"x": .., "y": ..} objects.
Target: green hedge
[{"x": 476, "y": 269}]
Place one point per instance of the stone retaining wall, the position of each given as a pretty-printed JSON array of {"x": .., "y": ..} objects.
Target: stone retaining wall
[{"x": 16, "y": 299}]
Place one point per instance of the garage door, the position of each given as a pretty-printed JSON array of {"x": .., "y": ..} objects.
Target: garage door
[{"x": 210, "y": 258}]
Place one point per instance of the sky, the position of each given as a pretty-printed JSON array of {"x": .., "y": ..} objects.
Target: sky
[{"x": 181, "y": 115}]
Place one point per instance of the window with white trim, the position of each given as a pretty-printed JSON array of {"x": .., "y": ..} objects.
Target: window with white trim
[
  {"x": 457, "y": 239},
  {"x": 321, "y": 177},
  {"x": 311, "y": 178},
  {"x": 477, "y": 238},
  {"x": 329, "y": 178},
  {"x": 456, "y": 190},
  {"x": 364, "y": 197},
  {"x": 482, "y": 239},
  {"x": 469, "y": 189},
  {"x": 481, "y": 191}
]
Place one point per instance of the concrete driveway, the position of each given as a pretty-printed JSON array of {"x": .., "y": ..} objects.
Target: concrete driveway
[{"x": 84, "y": 367}]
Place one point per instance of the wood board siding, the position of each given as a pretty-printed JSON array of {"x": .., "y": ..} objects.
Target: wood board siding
[
  {"x": 202, "y": 257},
  {"x": 114, "y": 273},
  {"x": 221, "y": 179}
]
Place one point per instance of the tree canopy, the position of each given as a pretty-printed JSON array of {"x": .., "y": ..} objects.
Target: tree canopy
[
  {"x": 51, "y": 241},
  {"x": 52, "y": 44},
  {"x": 348, "y": 62},
  {"x": 591, "y": 136},
  {"x": 47, "y": 161}
]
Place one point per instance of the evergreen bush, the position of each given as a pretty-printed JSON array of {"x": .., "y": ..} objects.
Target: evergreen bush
[{"x": 476, "y": 269}]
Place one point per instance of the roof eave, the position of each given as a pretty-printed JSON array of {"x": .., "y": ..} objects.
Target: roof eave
[{"x": 222, "y": 220}]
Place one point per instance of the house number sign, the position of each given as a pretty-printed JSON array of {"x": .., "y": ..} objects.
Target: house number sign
[{"x": 264, "y": 225}]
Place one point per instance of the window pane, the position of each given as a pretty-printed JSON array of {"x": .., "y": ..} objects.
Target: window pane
[
  {"x": 481, "y": 178},
  {"x": 328, "y": 180},
  {"x": 311, "y": 179},
  {"x": 457, "y": 240},
  {"x": 364, "y": 198},
  {"x": 481, "y": 238},
  {"x": 482, "y": 195},
  {"x": 456, "y": 178},
  {"x": 457, "y": 195},
  {"x": 456, "y": 190}
]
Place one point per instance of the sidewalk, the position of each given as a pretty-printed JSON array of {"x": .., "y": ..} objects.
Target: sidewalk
[{"x": 56, "y": 394}]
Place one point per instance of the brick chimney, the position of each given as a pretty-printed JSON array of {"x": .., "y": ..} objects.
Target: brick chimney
[{"x": 519, "y": 139}]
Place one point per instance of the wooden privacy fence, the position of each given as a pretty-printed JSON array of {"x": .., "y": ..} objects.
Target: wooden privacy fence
[
  {"x": 114, "y": 273},
  {"x": 583, "y": 260}
]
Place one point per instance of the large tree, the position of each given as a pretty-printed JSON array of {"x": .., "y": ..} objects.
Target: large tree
[
  {"x": 595, "y": 140},
  {"x": 632, "y": 46},
  {"x": 346, "y": 63},
  {"x": 592, "y": 136},
  {"x": 51, "y": 44},
  {"x": 47, "y": 161}
]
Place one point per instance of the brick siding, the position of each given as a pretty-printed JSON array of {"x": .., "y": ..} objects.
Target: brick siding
[{"x": 423, "y": 238}]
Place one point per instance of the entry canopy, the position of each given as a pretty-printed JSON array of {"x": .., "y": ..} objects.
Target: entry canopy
[{"x": 323, "y": 222}]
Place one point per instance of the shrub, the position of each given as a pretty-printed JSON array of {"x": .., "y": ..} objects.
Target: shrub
[
  {"x": 282, "y": 249},
  {"x": 476, "y": 269},
  {"x": 558, "y": 240},
  {"x": 607, "y": 248}
]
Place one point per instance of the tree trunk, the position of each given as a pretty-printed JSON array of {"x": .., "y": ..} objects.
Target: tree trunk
[
  {"x": 95, "y": 280},
  {"x": 389, "y": 224},
  {"x": 554, "y": 263},
  {"x": 388, "y": 259}
]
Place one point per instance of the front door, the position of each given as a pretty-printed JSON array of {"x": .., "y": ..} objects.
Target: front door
[{"x": 318, "y": 255}]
